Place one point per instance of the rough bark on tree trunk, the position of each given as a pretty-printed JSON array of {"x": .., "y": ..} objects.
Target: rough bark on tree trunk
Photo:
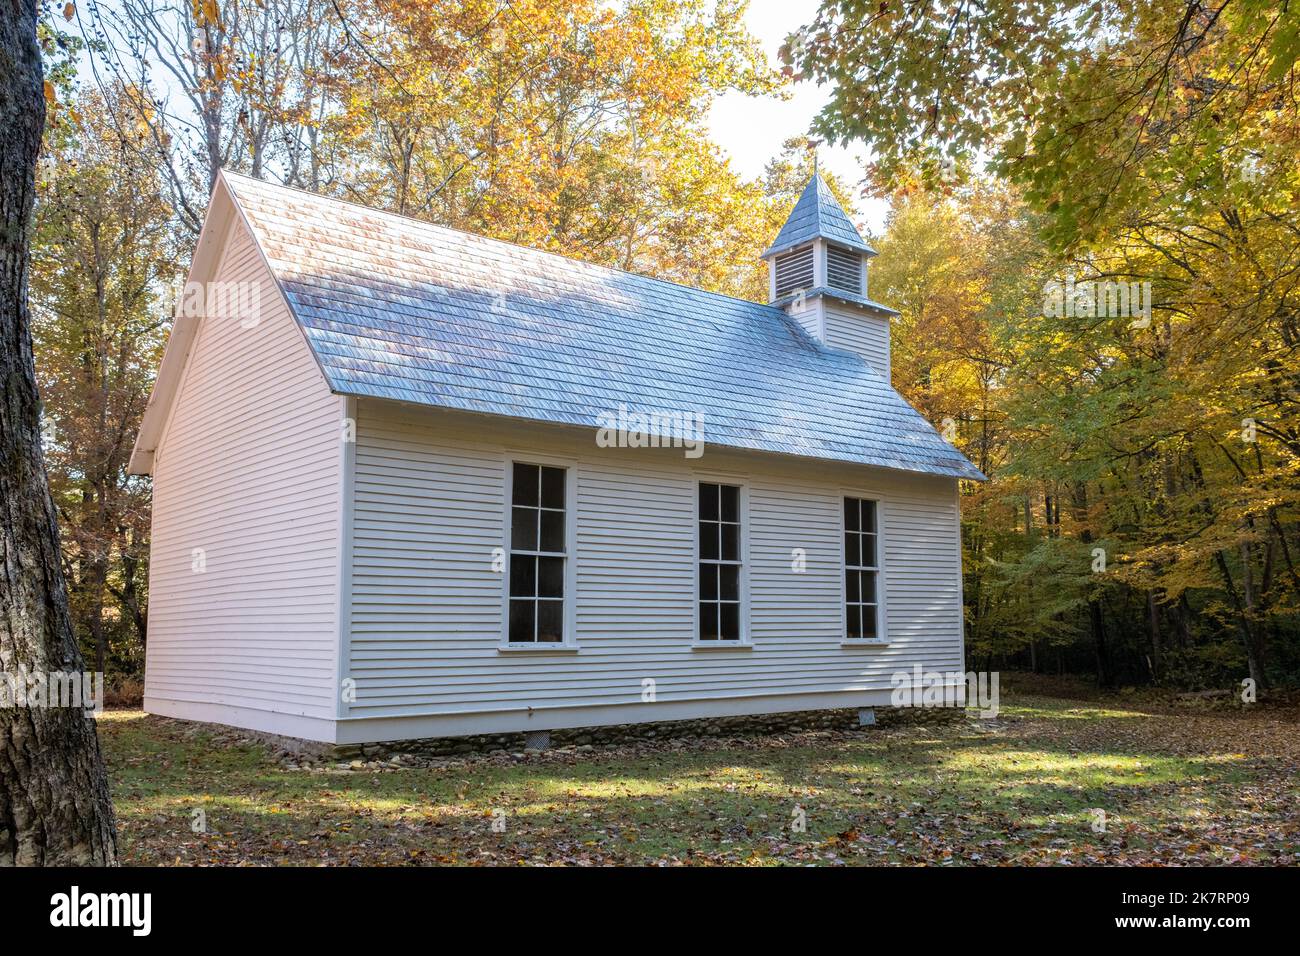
[{"x": 54, "y": 802}]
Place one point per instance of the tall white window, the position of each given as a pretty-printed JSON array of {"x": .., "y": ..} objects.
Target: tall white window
[
  {"x": 537, "y": 554},
  {"x": 720, "y": 562},
  {"x": 861, "y": 570}
]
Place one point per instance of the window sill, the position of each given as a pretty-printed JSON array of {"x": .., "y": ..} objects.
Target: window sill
[
  {"x": 537, "y": 649},
  {"x": 865, "y": 642},
  {"x": 721, "y": 646}
]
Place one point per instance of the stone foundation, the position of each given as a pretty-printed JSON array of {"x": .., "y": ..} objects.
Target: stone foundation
[{"x": 615, "y": 735}]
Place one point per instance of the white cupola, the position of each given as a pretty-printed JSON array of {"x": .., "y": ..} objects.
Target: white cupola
[{"x": 817, "y": 273}]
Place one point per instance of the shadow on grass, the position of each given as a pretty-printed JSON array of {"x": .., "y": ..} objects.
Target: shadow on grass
[{"x": 907, "y": 796}]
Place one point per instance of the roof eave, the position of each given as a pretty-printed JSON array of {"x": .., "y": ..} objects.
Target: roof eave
[
  {"x": 848, "y": 298},
  {"x": 960, "y": 470},
  {"x": 777, "y": 249}
]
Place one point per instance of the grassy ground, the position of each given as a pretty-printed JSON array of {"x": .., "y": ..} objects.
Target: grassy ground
[{"x": 1176, "y": 786}]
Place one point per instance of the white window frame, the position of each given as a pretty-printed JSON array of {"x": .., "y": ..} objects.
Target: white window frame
[
  {"x": 569, "y": 619},
  {"x": 740, "y": 482},
  {"x": 882, "y": 618}
]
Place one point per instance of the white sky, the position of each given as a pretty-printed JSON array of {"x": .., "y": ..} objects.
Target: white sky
[{"x": 752, "y": 128}]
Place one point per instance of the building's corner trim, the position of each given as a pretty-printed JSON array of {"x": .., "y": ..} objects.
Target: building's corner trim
[
  {"x": 961, "y": 578},
  {"x": 347, "y": 439}
]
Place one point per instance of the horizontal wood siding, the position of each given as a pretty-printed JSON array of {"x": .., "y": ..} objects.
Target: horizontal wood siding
[
  {"x": 810, "y": 316},
  {"x": 856, "y": 331},
  {"x": 426, "y": 619},
  {"x": 248, "y": 471}
]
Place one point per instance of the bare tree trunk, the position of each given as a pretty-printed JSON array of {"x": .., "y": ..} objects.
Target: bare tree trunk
[{"x": 54, "y": 802}]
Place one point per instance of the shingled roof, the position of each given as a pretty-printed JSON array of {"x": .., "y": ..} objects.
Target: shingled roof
[
  {"x": 818, "y": 215},
  {"x": 395, "y": 308}
]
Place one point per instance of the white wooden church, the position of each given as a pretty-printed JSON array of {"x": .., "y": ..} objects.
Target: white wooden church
[{"x": 410, "y": 482}]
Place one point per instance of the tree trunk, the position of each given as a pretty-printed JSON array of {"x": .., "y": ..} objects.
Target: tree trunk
[
  {"x": 1097, "y": 623},
  {"x": 1096, "y": 617},
  {"x": 130, "y": 594},
  {"x": 54, "y": 802},
  {"x": 1185, "y": 636},
  {"x": 96, "y": 585},
  {"x": 1254, "y": 658},
  {"x": 1153, "y": 621}
]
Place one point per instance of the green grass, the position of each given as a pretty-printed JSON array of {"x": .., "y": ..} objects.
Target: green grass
[{"x": 1175, "y": 787}]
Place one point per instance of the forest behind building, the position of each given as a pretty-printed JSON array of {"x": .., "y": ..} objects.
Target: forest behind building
[{"x": 1092, "y": 242}]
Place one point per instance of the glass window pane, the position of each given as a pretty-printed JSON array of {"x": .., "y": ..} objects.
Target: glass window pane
[
  {"x": 719, "y": 541},
  {"x": 550, "y": 577},
  {"x": 729, "y": 629},
  {"x": 552, "y": 487},
  {"x": 524, "y": 484},
  {"x": 868, "y": 586},
  {"x": 521, "y": 621},
  {"x": 708, "y": 621},
  {"x": 868, "y": 516},
  {"x": 851, "y": 506},
  {"x": 851, "y": 552},
  {"x": 869, "y": 550},
  {"x": 854, "y": 621},
  {"x": 708, "y": 502},
  {"x": 708, "y": 582},
  {"x": 868, "y": 620},
  {"x": 523, "y": 529},
  {"x": 552, "y": 538},
  {"x": 851, "y": 590},
  {"x": 730, "y": 503},
  {"x": 708, "y": 541},
  {"x": 730, "y": 542},
  {"x": 523, "y": 575},
  {"x": 550, "y": 621},
  {"x": 729, "y": 582}
]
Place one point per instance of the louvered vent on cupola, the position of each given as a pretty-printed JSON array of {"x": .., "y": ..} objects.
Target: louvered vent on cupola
[
  {"x": 843, "y": 270},
  {"x": 794, "y": 271}
]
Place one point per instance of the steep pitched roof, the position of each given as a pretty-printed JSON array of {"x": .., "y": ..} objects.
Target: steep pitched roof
[
  {"x": 395, "y": 308},
  {"x": 818, "y": 215}
]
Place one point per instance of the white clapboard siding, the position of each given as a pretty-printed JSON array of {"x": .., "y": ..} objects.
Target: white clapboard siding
[
  {"x": 857, "y": 331},
  {"x": 810, "y": 314},
  {"x": 426, "y": 615},
  {"x": 249, "y": 471}
]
